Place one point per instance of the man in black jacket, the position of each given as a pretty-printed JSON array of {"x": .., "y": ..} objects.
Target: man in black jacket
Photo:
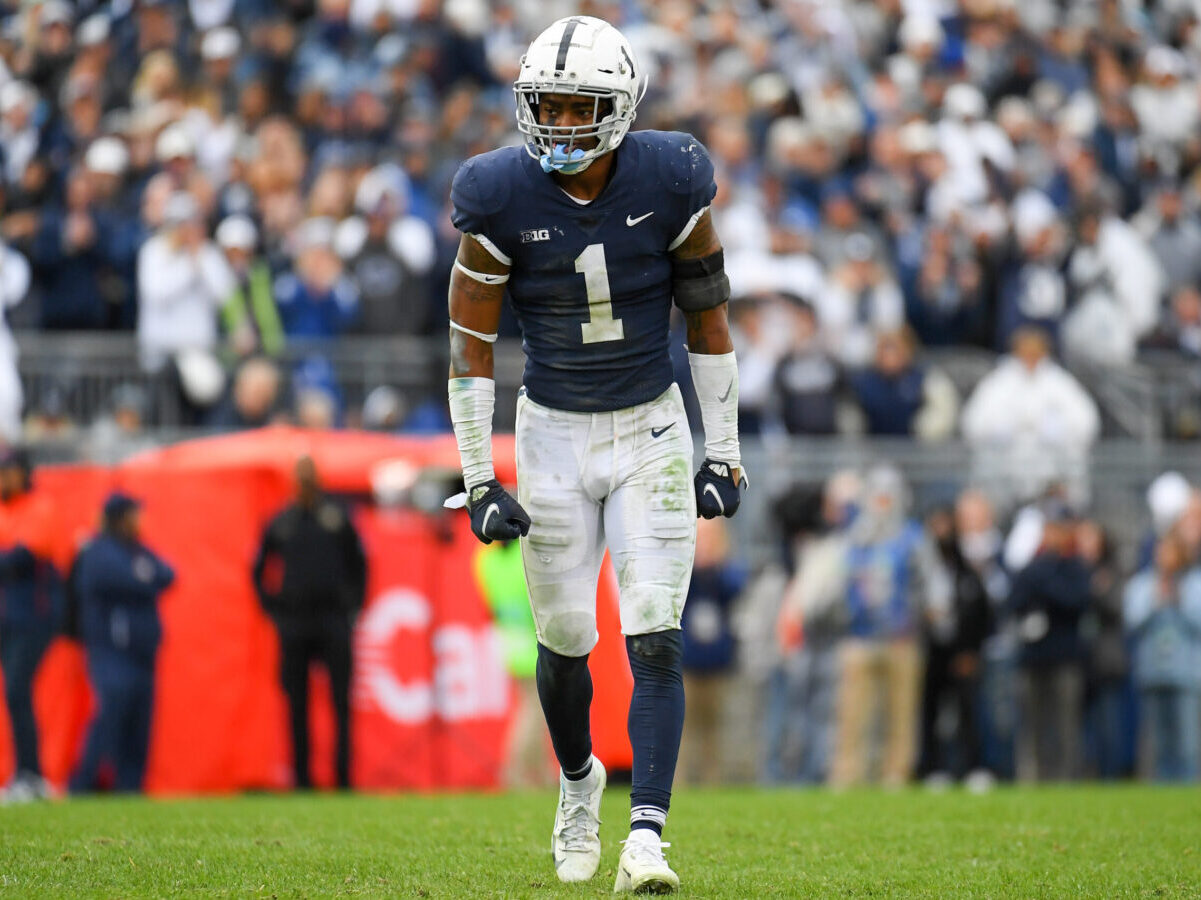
[
  {"x": 953, "y": 660},
  {"x": 1049, "y": 598},
  {"x": 310, "y": 575}
]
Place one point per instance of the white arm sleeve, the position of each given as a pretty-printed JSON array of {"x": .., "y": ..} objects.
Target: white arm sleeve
[
  {"x": 471, "y": 403},
  {"x": 715, "y": 378}
]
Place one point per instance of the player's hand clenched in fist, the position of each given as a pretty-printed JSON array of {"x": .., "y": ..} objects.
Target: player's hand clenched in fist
[
  {"x": 719, "y": 489},
  {"x": 495, "y": 514}
]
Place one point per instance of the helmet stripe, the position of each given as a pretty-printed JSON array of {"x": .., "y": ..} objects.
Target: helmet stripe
[
  {"x": 629, "y": 62},
  {"x": 565, "y": 44}
]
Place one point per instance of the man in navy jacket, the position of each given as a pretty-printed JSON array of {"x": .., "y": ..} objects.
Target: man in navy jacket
[
  {"x": 33, "y": 554},
  {"x": 118, "y": 582}
]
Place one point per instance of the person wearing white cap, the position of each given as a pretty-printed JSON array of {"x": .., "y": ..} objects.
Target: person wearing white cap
[
  {"x": 175, "y": 151},
  {"x": 94, "y": 54},
  {"x": 52, "y": 46},
  {"x": 316, "y": 299},
  {"x": 1165, "y": 101},
  {"x": 388, "y": 253},
  {"x": 969, "y": 140},
  {"x": 183, "y": 279},
  {"x": 19, "y": 134},
  {"x": 219, "y": 53},
  {"x": 106, "y": 162},
  {"x": 249, "y": 317},
  {"x": 1032, "y": 287},
  {"x": 1167, "y": 499}
]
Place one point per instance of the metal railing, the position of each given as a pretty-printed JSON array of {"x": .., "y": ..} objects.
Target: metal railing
[{"x": 83, "y": 368}]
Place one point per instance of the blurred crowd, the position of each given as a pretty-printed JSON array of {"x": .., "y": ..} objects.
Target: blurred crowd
[
  {"x": 231, "y": 179},
  {"x": 961, "y": 646}
]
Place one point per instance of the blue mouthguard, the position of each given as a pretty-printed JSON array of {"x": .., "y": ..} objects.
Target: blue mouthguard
[{"x": 559, "y": 160}]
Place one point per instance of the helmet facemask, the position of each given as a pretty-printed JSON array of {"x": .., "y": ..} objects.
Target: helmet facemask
[{"x": 557, "y": 147}]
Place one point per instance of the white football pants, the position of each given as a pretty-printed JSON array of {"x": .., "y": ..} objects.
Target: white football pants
[{"x": 620, "y": 478}]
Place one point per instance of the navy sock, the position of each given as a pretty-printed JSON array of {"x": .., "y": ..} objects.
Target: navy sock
[
  {"x": 565, "y": 690},
  {"x": 656, "y": 723}
]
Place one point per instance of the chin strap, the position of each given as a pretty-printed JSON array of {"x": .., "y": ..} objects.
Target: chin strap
[{"x": 560, "y": 160}]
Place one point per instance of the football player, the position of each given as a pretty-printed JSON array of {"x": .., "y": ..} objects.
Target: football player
[{"x": 594, "y": 232}]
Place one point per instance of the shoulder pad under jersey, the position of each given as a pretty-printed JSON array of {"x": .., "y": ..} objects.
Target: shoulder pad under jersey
[
  {"x": 683, "y": 161},
  {"x": 482, "y": 186}
]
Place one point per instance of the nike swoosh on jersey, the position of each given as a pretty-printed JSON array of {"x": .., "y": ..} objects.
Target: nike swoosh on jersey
[
  {"x": 726, "y": 396},
  {"x": 710, "y": 489},
  {"x": 655, "y": 432},
  {"x": 631, "y": 221},
  {"x": 493, "y": 510}
]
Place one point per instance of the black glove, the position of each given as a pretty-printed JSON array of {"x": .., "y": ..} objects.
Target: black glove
[
  {"x": 717, "y": 494},
  {"x": 495, "y": 515}
]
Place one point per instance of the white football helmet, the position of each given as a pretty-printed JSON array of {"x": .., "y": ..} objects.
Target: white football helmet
[{"x": 578, "y": 55}]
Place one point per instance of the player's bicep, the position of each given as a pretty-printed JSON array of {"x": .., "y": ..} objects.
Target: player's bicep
[
  {"x": 698, "y": 240},
  {"x": 701, "y": 288},
  {"x": 477, "y": 292}
]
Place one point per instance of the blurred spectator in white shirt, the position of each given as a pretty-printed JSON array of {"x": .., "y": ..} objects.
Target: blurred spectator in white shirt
[
  {"x": 19, "y": 134},
  {"x": 14, "y": 284},
  {"x": 1030, "y": 423},
  {"x": 970, "y": 141},
  {"x": 183, "y": 280},
  {"x": 1117, "y": 281},
  {"x": 1165, "y": 101}
]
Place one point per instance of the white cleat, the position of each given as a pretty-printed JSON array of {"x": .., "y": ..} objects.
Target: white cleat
[
  {"x": 642, "y": 868},
  {"x": 575, "y": 841}
]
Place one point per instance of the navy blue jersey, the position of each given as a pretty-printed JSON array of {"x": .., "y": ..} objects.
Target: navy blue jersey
[{"x": 590, "y": 283}]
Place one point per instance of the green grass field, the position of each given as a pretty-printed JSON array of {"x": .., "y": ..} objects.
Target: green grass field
[{"x": 1055, "y": 842}]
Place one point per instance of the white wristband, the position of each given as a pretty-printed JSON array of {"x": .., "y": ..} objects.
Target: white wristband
[
  {"x": 471, "y": 403},
  {"x": 715, "y": 378}
]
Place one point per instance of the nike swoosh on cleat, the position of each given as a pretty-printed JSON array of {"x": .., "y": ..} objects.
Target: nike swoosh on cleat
[
  {"x": 710, "y": 489},
  {"x": 726, "y": 396},
  {"x": 494, "y": 510},
  {"x": 631, "y": 221},
  {"x": 655, "y": 432}
]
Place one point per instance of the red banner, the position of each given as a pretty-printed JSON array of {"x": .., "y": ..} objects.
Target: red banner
[{"x": 430, "y": 699}]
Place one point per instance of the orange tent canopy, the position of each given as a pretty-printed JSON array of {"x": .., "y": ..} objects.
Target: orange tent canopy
[{"x": 343, "y": 458}]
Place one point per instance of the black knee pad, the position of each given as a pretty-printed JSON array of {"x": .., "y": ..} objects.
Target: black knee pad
[
  {"x": 661, "y": 649},
  {"x": 557, "y": 664}
]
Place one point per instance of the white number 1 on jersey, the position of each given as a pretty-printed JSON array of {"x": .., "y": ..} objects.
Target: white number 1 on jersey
[{"x": 601, "y": 326}]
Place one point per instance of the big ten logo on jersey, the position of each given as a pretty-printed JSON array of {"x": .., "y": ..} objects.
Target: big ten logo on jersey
[{"x": 530, "y": 235}]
